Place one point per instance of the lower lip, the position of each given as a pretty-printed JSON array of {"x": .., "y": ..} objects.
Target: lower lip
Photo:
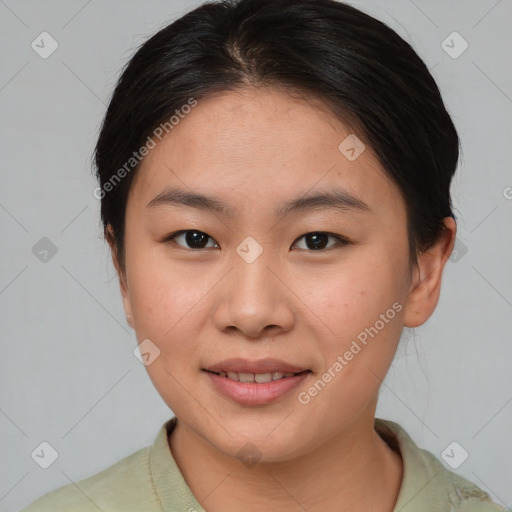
[{"x": 252, "y": 393}]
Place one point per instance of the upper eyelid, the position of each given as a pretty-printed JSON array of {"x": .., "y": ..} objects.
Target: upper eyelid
[
  {"x": 340, "y": 238},
  {"x": 172, "y": 236}
]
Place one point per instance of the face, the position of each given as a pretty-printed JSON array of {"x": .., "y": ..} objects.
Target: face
[{"x": 251, "y": 280}]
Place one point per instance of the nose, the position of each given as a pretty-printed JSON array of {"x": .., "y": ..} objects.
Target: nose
[{"x": 255, "y": 299}]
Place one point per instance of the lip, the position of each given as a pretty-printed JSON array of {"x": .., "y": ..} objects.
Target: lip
[
  {"x": 240, "y": 365},
  {"x": 252, "y": 393}
]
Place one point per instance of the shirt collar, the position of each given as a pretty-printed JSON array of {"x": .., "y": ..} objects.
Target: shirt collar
[
  {"x": 426, "y": 485},
  {"x": 168, "y": 482}
]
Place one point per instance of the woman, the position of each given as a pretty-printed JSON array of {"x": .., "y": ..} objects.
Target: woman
[{"x": 275, "y": 180}]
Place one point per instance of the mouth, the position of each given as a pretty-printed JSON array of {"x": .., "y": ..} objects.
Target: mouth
[
  {"x": 257, "y": 378},
  {"x": 256, "y": 389}
]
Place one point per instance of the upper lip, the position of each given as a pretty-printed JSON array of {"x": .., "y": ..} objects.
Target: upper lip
[{"x": 240, "y": 365}]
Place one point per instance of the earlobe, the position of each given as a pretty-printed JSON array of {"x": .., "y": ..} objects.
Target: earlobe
[
  {"x": 427, "y": 276},
  {"x": 109, "y": 235}
]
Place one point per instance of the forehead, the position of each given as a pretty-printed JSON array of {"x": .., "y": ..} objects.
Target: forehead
[{"x": 258, "y": 146}]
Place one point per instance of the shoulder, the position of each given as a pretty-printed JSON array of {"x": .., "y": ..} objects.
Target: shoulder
[
  {"x": 427, "y": 485},
  {"x": 122, "y": 486},
  {"x": 468, "y": 497},
  {"x": 462, "y": 494}
]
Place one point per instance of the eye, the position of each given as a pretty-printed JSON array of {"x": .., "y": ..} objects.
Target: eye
[
  {"x": 318, "y": 241},
  {"x": 195, "y": 239}
]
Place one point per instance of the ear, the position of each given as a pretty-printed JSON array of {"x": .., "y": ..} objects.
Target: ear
[
  {"x": 426, "y": 282},
  {"x": 109, "y": 235}
]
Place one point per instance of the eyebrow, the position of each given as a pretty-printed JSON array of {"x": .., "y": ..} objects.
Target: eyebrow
[{"x": 331, "y": 200}]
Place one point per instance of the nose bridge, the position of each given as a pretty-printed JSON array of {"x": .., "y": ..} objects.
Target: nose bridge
[{"x": 251, "y": 274}]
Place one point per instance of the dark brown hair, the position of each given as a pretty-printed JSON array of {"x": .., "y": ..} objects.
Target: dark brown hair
[{"x": 324, "y": 48}]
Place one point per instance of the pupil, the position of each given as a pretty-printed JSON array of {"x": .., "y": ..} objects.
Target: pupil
[
  {"x": 319, "y": 240},
  {"x": 195, "y": 239}
]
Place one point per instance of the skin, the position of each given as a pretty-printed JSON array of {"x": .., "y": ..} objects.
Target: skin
[{"x": 256, "y": 149}]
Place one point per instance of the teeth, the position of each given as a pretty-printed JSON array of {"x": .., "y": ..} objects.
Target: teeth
[{"x": 259, "y": 378}]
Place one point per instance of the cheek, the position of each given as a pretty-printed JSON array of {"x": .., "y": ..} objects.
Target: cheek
[
  {"x": 355, "y": 296},
  {"x": 166, "y": 307},
  {"x": 362, "y": 308},
  {"x": 171, "y": 306}
]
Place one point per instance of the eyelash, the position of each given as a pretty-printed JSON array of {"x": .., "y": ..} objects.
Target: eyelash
[{"x": 341, "y": 241}]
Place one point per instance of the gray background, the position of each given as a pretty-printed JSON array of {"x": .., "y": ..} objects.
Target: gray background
[{"x": 69, "y": 376}]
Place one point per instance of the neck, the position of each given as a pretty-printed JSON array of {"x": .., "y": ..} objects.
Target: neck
[{"x": 355, "y": 468}]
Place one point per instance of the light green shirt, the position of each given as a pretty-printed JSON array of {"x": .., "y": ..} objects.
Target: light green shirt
[{"x": 150, "y": 481}]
